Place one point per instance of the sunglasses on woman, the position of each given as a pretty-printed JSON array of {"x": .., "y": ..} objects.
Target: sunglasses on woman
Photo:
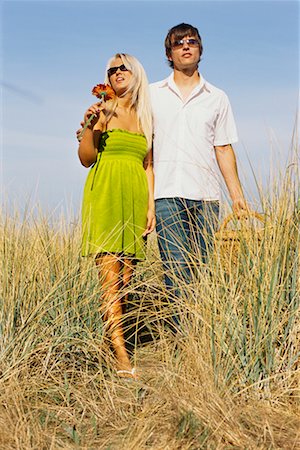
[{"x": 113, "y": 70}]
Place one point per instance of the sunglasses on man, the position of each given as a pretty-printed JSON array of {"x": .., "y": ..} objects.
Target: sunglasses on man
[
  {"x": 112, "y": 70},
  {"x": 180, "y": 43}
]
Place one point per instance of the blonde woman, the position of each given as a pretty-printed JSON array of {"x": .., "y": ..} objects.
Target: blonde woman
[{"x": 118, "y": 205}]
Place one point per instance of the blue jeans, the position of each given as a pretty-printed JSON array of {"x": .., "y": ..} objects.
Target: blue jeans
[{"x": 185, "y": 231}]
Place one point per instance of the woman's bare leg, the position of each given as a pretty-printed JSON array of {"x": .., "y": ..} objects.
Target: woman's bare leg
[
  {"x": 110, "y": 274},
  {"x": 128, "y": 268}
]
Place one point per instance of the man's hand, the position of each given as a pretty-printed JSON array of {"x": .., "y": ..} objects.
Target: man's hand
[{"x": 240, "y": 207}]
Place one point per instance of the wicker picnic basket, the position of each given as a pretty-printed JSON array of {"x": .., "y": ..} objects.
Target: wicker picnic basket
[{"x": 238, "y": 240}]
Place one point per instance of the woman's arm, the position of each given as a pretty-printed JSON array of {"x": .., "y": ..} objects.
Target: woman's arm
[
  {"x": 88, "y": 142},
  {"x": 148, "y": 165}
]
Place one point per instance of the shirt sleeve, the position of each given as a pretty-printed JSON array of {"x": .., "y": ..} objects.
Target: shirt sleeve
[{"x": 225, "y": 128}]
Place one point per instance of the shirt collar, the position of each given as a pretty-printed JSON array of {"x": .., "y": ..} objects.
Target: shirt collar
[{"x": 169, "y": 82}]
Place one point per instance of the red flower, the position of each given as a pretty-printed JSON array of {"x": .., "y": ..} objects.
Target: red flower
[{"x": 103, "y": 91}]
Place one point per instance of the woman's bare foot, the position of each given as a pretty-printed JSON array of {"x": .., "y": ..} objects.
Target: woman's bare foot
[
  {"x": 131, "y": 374},
  {"x": 125, "y": 370}
]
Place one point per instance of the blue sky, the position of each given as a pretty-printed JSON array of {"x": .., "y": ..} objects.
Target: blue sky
[{"x": 54, "y": 52}]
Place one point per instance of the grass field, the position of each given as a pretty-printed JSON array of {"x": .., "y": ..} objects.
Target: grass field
[{"x": 229, "y": 381}]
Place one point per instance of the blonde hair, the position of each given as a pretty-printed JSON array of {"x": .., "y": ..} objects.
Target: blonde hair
[{"x": 139, "y": 90}]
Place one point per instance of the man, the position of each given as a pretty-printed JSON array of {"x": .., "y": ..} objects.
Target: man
[{"x": 193, "y": 132}]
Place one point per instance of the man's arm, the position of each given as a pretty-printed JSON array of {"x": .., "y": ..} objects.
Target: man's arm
[{"x": 227, "y": 163}]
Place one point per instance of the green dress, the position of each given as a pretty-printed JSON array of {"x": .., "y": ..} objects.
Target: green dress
[{"x": 115, "y": 200}]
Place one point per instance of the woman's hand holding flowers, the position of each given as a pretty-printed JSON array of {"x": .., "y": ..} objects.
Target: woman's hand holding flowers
[
  {"x": 91, "y": 116},
  {"x": 104, "y": 92}
]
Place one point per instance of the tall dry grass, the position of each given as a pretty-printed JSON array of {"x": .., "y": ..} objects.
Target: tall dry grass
[{"x": 230, "y": 379}]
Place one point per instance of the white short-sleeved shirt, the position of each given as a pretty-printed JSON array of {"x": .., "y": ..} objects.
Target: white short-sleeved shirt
[{"x": 185, "y": 133}]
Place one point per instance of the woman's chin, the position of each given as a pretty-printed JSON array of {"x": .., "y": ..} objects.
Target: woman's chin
[{"x": 120, "y": 90}]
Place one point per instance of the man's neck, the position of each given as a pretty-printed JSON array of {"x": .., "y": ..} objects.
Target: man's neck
[
  {"x": 186, "y": 81},
  {"x": 187, "y": 77}
]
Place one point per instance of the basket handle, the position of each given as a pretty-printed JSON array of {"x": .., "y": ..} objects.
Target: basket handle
[{"x": 232, "y": 216}]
